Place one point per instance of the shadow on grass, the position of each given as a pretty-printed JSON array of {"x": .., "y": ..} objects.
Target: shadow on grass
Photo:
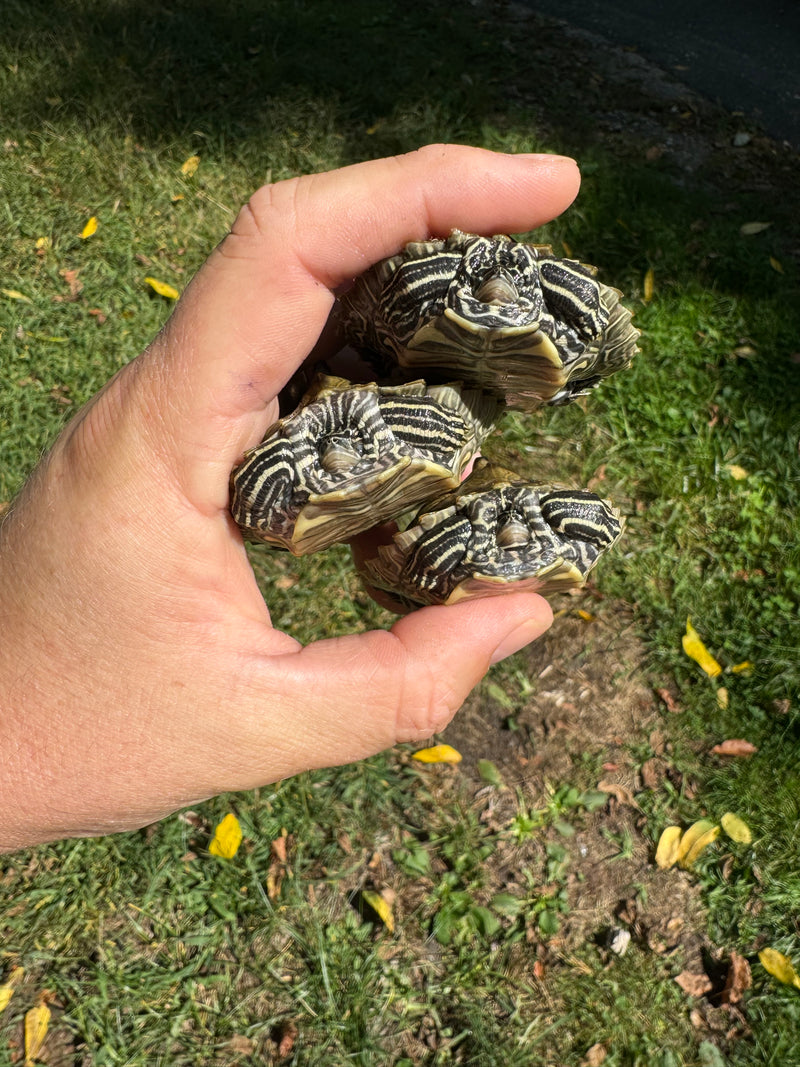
[
  {"x": 267, "y": 81},
  {"x": 161, "y": 70}
]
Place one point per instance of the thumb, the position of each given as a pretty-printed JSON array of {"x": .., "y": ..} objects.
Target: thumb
[{"x": 376, "y": 689}]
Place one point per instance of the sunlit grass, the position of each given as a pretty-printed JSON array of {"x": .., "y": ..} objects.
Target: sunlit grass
[{"x": 161, "y": 954}]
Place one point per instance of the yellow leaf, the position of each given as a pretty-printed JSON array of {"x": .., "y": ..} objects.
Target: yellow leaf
[
  {"x": 776, "y": 264},
  {"x": 37, "y": 1021},
  {"x": 695, "y": 831},
  {"x": 742, "y": 668},
  {"x": 736, "y": 828},
  {"x": 7, "y": 989},
  {"x": 748, "y": 229},
  {"x": 722, "y": 697},
  {"x": 699, "y": 845},
  {"x": 649, "y": 280},
  {"x": 381, "y": 907},
  {"x": 696, "y": 650},
  {"x": 162, "y": 288},
  {"x": 227, "y": 838},
  {"x": 667, "y": 851},
  {"x": 779, "y": 966},
  {"x": 15, "y": 294},
  {"x": 737, "y": 472},
  {"x": 43, "y": 244},
  {"x": 189, "y": 166},
  {"x": 585, "y": 615},
  {"x": 438, "y": 754},
  {"x": 89, "y": 228}
]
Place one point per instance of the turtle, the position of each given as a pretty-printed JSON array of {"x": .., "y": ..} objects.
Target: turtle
[
  {"x": 352, "y": 456},
  {"x": 510, "y": 318},
  {"x": 455, "y": 331},
  {"x": 496, "y": 532}
]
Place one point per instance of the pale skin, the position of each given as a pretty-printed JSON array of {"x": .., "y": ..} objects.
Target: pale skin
[{"x": 139, "y": 670}]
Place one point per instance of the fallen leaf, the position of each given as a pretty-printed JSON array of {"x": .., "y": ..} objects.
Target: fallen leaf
[
  {"x": 749, "y": 229},
  {"x": 776, "y": 264},
  {"x": 735, "y": 746},
  {"x": 595, "y": 1056},
  {"x": 585, "y": 615},
  {"x": 722, "y": 697},
  {"x": 15, "y": 294},
  {"x": 779, "y": 966},
  {"x": 649, "y": 279},
  {"x": 698, "y": 845},
  {"x": 489, "y": 772},
  {"x": 652, "y": 773},
  {"x": 696, "y": 650},
  {"x": 381, "y": 907},
  {"x": 227, "y": 838},
  {"x": 736, "y": 472},
  {"x": 286, "y": 581},
  {"x": 696, "y": 985},
  {"x": 286, "y": 1034},
  {"x": 7, "y": 988},
  {"x": 437, "y": 754},
  {"x": 621, "y": 793},
  {"x": 739, "y": 979},
  {"x": 163, "y": 289},
  {"x": 189, "y": 166},
  {"x": 43, "y": 245},
  {"x": 670, "y": 702},
  {"x": 71, "y": 278},
  {"x": 668, "y": 844},
  {"x": 90, "y": 228},
  {"x": 688, "y": 838},
  {"x": 277, "y": 865},
  {"x": 37, "y": 1020},
  {"x": 736, "y": 828},
  {"x": 278, "y": 847},
  {"x": 745, "y": 667}
]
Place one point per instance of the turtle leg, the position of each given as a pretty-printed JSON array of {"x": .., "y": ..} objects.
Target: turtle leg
[
  {"x": 436, "y": 555},
  {"x": 263, "y": 486},
  {"x": 572, "y": 294}
]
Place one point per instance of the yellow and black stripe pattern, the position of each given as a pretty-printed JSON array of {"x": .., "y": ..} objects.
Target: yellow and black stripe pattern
[
  {"x": 493, "y": 534},
  {"x": 500, "y": 315},
  {"x": 352, "y": 456}
]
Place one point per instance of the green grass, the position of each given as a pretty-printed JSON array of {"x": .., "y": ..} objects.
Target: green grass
[{"x": 157, "y": 952}]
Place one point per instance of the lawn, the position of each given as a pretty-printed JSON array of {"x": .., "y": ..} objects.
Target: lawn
[{"x": 506, "y": 910}]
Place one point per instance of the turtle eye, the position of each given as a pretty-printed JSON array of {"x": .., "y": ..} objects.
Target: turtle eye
[{"x": 340, "y": 452}]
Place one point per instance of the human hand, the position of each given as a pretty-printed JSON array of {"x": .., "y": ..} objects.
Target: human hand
[{"x": 139, "y": 671}]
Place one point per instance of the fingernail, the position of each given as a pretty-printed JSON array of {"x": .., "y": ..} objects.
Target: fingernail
[
  {"x": 547, "y": 157},
  {"x": 517, "y": 639}
]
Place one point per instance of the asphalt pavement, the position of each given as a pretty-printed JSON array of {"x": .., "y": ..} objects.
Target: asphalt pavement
[{"x": 745, "y": 54}]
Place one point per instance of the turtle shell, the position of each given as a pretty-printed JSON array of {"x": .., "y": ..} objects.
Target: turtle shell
[
  {"x": 352, "y": 456},
  {"x": 494, "y": 534},
  {"x": 509, "y": 318}
]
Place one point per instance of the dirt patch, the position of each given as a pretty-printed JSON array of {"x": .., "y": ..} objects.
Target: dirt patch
[{"x": 590, "y": 719}]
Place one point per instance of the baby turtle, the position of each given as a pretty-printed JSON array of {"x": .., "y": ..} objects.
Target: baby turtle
[
  {"x": 498, "y": 324},
  {"x": 353, "y": 456},
  {"x": 509, "y": 318},
  {"x": 493, "y": 534}
]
